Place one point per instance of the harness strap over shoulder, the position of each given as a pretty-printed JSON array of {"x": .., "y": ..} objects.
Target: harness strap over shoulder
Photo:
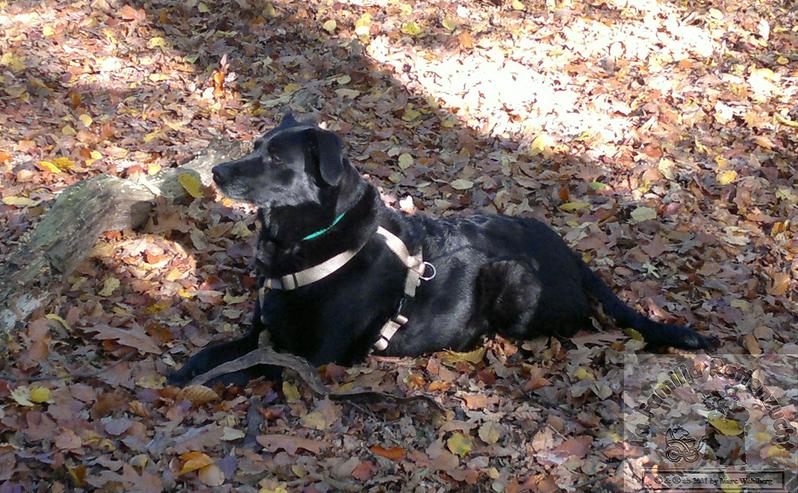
[{"x": 414, "y": 263}]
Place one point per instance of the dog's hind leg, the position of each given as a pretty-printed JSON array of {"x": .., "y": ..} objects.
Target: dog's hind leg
[{"x": 508, "y": 293}]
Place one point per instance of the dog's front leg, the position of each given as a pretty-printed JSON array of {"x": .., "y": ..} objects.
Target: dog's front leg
[{"x": 215, "y": 355}]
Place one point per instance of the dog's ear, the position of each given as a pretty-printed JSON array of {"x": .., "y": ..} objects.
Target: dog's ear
[{"x": 327, "y": 147}]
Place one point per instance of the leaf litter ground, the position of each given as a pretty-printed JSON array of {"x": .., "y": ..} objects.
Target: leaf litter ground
[{"x": 659, "y": 139}]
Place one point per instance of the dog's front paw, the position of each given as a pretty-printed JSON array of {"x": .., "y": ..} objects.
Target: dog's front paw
[{"x": 180, "y": 377}]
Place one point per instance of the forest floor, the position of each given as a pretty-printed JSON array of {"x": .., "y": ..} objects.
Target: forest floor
[{"x": 660, "y": 138}]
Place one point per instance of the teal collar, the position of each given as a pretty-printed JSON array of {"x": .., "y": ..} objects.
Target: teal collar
[{"x": 322, "y": 231}]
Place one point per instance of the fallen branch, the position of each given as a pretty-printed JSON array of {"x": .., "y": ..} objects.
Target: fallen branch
[
  {"x": 32, "y": 274},
  {"x": 300, "y": 366}
]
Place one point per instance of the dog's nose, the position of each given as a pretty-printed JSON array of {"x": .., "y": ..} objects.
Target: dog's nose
[{"x": 218, "y": 175}]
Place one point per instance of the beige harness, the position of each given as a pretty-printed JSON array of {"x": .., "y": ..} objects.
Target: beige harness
[{"x": 416, "y": 267}]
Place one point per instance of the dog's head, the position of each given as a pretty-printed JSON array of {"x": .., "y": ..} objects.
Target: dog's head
[{"x": 291, "y": 165}]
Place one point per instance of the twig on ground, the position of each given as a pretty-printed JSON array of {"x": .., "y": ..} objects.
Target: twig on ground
[{"x": 300, "y": 366}]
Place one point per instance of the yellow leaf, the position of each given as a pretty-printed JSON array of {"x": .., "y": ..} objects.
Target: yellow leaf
[
  {"x": 203, "y": 8},
  {"x": 449, "y": 23},
  {"x": 410, "y": 114},
  {"x": 68, "y": 130},
  {"x": 48, "y": 31},
  {"x": 405, "y": 160},
  {"x": 643, "y": 214},
  {"x": 269, "y": 10},
  {"x": 57, "y": 318},
  {"x": 459, "y": 444},
  {"x": 192, "y": 184},
  {"x": 152, "y": 136},
  {"x": 448, "y": 123},
  {"x": 85, "y": 119},
  {"x": 315, "y": 420},
  {"x": 541, "y": 144},
  {"x": 291, "y": 88},
  {"x": 411, "y": 29},
  {"x": 12, "y": 61},
  {"x": 782, "y": 60},
  {"x": 109, "y": 285},
  {"x": 574, "y": 205},
  {"x": 151, "y": 381},
  {"x": 518, "y": 5},
  {"x": 153, "y": 169},
  {"x": 64, "y": 162},
  {"x": 156, "y": 42},
  {"x": 290, "y": 392},
  {"x": 582, "y": 373},
  {"x": 362, "y": 25},
  {"x": 20, "y": 201},
  {"x": 474, "y": 356},
  {"x": 330, "y": 26},
  {"x": 193, "y": 461},
  {"x": 728, "y": 427},
  {"x": 786, "y": 121},
  {"x": 48, "y": 166},
  {"x": 727, "y": 176},
  {"x": 39, "y": 394},
  {"x": 21, "y": 396},
  {"x": 637, "y": 336}
]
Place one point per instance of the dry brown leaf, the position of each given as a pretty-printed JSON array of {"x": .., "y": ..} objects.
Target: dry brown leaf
[{"x": 197, "y": 394}]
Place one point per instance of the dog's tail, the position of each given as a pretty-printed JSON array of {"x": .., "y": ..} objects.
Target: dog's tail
[{"x": 654, "y": 333}]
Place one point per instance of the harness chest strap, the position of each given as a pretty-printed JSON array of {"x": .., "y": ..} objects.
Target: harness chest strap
[{"x": 415, "y": 264}]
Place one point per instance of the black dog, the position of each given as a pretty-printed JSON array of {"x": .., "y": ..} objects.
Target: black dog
[{"x": 343, "y": 275}]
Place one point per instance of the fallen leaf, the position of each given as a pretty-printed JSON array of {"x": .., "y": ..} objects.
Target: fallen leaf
[
  {"x": 393, "y": 453},
  {"x": 474, "y": 356},
  {"x": 405, "y": 160},
  {"x": 459, "y": 444},
  {"x": 643, "y": 214},
  {"x": 48, "y": 166},
  {"x": 727, "y": 176},
  {"x": 330, "y": 26},
  {"x": 461, "y": 184},
  {"x": 728, "y": 427},
  {"x": 134, "y": 337},
  {"x": 211, "y": 475},
  {"x": 232, "y": 434},
  {"x": 411, "y": 28},
  {"x": 39, "y": 395},
  {"x": 490, "y": 432},
  {"x": 21, "y": 396},
  {"x": 197, "y": 394},
  {"x": 109, "y": 286},
  {"x": 194, "y": 461},
  {"x": 291, "y": 392},
  {"x": 290, "y": 443},
  {"x": 20, "y": 201},
  {"x": 752, "y": 345},
  {"x": 191, "y": 184}
]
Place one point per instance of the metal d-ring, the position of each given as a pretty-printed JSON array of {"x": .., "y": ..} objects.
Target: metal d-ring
[{"x": 430, "y": 277}]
